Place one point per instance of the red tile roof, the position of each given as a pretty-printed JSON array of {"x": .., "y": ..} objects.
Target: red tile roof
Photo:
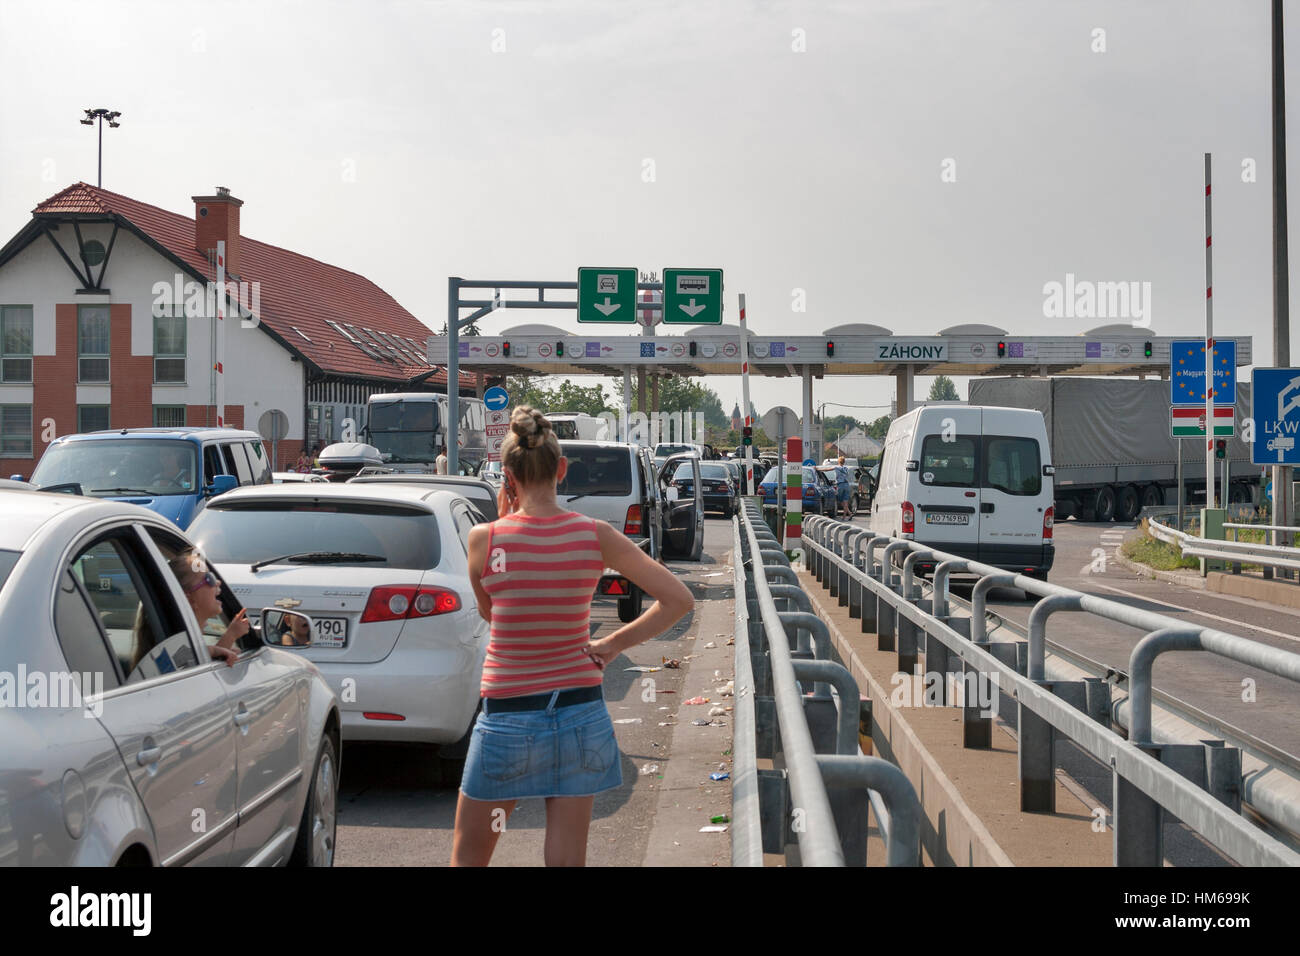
[{"x": 296, "y": 291}]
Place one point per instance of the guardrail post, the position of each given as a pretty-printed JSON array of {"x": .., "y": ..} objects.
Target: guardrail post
[
  {"x": 1138, "y": 824},
  {"x": 1035, "y": 760},
  {"x": 908, "y": 630},
  {"x": 774, "y": 797}
]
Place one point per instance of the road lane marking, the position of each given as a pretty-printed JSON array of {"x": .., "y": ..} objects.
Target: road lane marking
[{"x": 1206, "y": 614}]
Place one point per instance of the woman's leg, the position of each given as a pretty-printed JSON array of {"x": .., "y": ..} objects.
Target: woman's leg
[
  {"x": 568, "y": 821},
  {"x": 479, "y": 824}
]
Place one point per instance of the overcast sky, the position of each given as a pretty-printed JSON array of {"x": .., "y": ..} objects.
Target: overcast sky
[{"x": 797, "y": 146}]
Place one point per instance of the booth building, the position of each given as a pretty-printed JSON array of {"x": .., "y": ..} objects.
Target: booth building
[{"x": 107, "y": 320}]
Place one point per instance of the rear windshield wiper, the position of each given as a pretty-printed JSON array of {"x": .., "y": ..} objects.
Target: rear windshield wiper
[
  {"x": 318, "y": 557},
  {"x": 114, "y": 491}
]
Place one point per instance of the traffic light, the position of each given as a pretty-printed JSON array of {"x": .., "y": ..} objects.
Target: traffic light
[
  {"x": 1221, "y": 449},
  {"x": 691, "y": 348},
  {"x": 1002, "y": 350},
  {"x": 1146, "y": 349},
  {"x": 748, "y": 432},
  {"x": 505, "y": 350},
  {"x": 830, "y": 349},
  {"x": 559, "y": 349}
]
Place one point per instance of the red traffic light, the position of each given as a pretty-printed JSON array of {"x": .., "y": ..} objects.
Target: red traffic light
[
  {"x": 830, "y": 349},
  {"x": 1002, "y": 350},
  {"x": 505, "y": 350}
]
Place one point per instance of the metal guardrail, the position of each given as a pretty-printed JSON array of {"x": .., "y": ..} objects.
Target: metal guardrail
[
  {"x": 1234, "y": 552},
  {"x": 1198, "y": 783},
  {"x": 813, "y": 806}
]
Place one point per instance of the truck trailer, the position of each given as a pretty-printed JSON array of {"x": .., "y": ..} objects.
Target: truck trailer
[{"x": 1112, "y": 448}]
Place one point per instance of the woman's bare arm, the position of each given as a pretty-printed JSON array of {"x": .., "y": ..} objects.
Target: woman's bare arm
[
  {"x": 478, "y": 543},
  {"x": 673, "y": 599}
]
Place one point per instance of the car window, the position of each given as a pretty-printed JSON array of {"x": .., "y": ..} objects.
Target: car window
[
  {"x": 7, "y": 561},
  {"x": 236, "y": 456},
  {"x": 258, "y": 462},
  {"x": 949, "y": 463},
  {"x": 213, "y": 464},
  {"x": 464, "y": 521},
  {"x": 143, "y": 625},
  {"x": 84, "y": 643},
  {"x": 243, "y": 532},
  {"x": 596, "y": 471},
  {"x": 1012, "y": 465},
  {"x": 120, "y": 467},
  {"x": 213, "y": 628}
]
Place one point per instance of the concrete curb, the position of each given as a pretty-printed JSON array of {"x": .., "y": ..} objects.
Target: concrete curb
[
  {"x": 1189, "y": 580},
  {"x": 952, "y": 834}
]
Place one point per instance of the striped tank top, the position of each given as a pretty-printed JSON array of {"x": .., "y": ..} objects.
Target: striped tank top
[{"x": 541, "y": 574}]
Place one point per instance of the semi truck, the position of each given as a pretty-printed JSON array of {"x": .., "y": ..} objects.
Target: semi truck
[
  {"x": 408, "y": 428},
  {"x": 1112, "y": 448}
]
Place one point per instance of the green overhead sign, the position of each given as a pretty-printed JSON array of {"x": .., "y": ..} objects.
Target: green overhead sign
[
  {"x": 693, "y": 296},
  {"x": 607, "y": 295}
]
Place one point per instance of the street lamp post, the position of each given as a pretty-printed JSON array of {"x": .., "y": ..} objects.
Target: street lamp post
[{"x": 101, "y": 114}]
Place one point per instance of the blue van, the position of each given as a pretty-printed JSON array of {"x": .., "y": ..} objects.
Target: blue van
[{"x": 172, "y": 471}]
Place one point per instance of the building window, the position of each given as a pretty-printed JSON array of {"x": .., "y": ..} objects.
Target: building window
[
  {"x": 15, "y": 343},
  {"x": 92, "y": 418},
  {"x": 92, "y": 344},
  {"x": 169, "y": 416},
  {"x": 169, "y": 349},
  {"x": 16, "y": 431}
]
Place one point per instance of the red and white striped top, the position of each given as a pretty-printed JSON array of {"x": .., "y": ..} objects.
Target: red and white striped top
[{"x": 541, "y": 574}]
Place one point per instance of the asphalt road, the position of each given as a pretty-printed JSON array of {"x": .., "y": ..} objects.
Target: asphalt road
[
  {"x": 1085, "y": 561},
  {"x": 394, "y": 809}
]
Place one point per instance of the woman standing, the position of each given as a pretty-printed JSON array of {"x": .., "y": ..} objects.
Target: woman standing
[{"x": 544, "y": 730}]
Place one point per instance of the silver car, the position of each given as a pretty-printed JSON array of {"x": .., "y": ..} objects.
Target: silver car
[{"x": 124, "y": 741}]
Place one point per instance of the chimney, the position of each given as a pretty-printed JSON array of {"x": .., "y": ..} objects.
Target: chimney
[{"x": 216, "y": 218}]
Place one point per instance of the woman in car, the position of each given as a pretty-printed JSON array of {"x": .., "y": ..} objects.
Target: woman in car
[
  {"x": 544, "y": 730},
  {"x": 203, "y": 591}
]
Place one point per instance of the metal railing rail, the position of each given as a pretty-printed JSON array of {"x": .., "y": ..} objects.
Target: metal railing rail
[
  {"x": 1149, "y": 778},
  {"x": 1270, "y": 776},
  {"x": 771, "y": 807},
  {"x": 1236, "y": 552}
]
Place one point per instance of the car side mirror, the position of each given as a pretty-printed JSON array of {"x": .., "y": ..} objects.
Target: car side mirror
[
  {"x": 220, "y": 485},
  {"x": 1049, "y": 470},
  {"x": 281, "y": 628},
  {"x": 911, "y": 465}
]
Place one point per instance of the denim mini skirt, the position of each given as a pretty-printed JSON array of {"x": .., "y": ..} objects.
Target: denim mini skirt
[{"x": 555, "y": 752}]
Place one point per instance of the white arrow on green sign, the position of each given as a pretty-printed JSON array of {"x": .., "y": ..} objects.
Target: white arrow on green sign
[
  {"x": 607, "y": 295},
  {"x": 693, "y": 296}
]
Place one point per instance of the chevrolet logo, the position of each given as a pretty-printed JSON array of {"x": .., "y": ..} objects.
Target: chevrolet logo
[{"x": 287, "y": 602}]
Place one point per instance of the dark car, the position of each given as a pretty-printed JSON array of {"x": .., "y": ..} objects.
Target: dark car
[
  {"x": 818, "y": 493},
  {"x": 716, "y": 485}
]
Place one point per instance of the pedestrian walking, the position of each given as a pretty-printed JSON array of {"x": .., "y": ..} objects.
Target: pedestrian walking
[
  {"x": 440, "y": 463},
  {"x": 842, "y": 488},
  {"x": 544, "y": 730}
]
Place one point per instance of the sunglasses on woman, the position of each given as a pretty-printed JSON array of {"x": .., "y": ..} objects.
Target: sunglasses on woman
[{"x": 209, "y": 580}]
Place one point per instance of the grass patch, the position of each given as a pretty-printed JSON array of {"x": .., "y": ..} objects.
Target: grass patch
[{"x": 1156, "y": 554}]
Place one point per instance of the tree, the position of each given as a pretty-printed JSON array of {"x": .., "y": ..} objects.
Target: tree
[
  {"x": 943, "y": 390},
  {"x": 566, "y": 397},
  {"x": 879, "y": 428},
  {"x": 677, "y": 394},
  {"x": 471, "y": 329}
]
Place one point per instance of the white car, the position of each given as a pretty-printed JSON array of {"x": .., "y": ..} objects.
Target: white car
[
  {"x": 293, "y": 477},
  {"x": 382, "y": 571}
]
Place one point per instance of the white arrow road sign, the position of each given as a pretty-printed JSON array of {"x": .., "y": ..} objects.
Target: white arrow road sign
[
  {"x": 607, "y": 308},
  {"x": 692, "y": 310}
]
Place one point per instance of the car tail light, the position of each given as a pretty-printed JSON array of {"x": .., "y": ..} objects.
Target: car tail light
[
  {"x": 632, "y": 523},
  {"x": 396, "y": 603},
  {"x": 909, "y": 518},
  {"x": 1049, "y": 519}
]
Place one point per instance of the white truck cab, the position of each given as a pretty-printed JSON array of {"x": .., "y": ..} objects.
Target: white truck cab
[{"x": 975, "y": 481}]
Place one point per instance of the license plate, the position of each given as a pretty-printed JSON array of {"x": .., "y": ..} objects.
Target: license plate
[
  {"x": 329, "y": 632},
  {"x": 940, "y": 517}
]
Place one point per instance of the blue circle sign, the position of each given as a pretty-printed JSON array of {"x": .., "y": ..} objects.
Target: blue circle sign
[
  {"x": 809, "y": 462},
  {"x": 496, "y": 398}
]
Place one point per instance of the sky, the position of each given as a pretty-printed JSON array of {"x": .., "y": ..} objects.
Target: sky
[{"x": 913, "y": 165}]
